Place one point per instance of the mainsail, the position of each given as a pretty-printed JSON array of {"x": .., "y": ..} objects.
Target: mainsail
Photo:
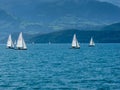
[
  {"x": 91, "y": 42},
  {"x": 75, "y": 43},
  {"x": 10, "y": 42},
  {"x": 20, "y": 42}
]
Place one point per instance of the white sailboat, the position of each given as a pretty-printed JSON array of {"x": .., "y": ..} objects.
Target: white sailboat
[
  {"x": 10, "y": 42},
  {"x": 75, "y": 43},
  {"x": 21, "y": 43},
  {"x": 91, "y": 44}
]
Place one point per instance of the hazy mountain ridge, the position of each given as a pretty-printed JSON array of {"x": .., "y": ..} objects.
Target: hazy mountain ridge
[
  {"x": 108, "y": 34},
  {"x": 43, "y": 17},
  {"x": 56, "y": 15},
  {"x": 7, "y": 20},
  {"x": 116, "y": 2},
  {"x": 113, "y": 27},
  {"x": 66, "y": 36},
  {"x": 26, "y": 36}
]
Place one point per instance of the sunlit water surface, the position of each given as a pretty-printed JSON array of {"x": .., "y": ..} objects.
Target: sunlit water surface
[{"x": 57, "y": 67}]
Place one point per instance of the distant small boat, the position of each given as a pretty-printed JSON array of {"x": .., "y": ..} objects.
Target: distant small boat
[
  {"x": 91, "y": 44},
  {"x": 75, "y": 43},
  {"x": 49, "y": 43},
  {"x": 21, "y": 43},
  {"x": 10, "y": 42},
  {"x": 33, "y": 43}
]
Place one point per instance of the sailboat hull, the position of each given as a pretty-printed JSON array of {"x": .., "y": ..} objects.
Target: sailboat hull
[
  {"x": 75, "y": 47},
  {"x": 91, "y": 45},
  {"x": 10, "y": 47},
  {"x": 21, "y": 49}
]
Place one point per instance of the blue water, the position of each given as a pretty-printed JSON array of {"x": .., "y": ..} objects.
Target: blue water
[{"x": 56, "y": 67}]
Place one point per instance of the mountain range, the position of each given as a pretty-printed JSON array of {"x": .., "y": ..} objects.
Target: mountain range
[
  {"x": 108, "y": 34},
  {"x": 116, "y": 2},
  {"x": 112, "y": 27},
  {"x": 66, "y": 36},
  {"x": 45, "y": 16},
  {"x": 35, "y": 16}
]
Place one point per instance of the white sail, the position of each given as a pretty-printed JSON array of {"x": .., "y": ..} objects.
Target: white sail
[
  {"x": 92, "y": 42},
  {"x": 75, "y": 43},
  {"x": 24, "y": 45},
  {"x": 20, "y": 42},
  {"x": 10, "y": 42}
]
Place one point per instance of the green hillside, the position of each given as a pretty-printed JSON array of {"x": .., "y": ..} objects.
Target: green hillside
[{"x": 66, "y": 36}]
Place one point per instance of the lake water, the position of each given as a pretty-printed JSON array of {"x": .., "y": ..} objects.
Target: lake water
[{"x": 57, "y": 67}]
